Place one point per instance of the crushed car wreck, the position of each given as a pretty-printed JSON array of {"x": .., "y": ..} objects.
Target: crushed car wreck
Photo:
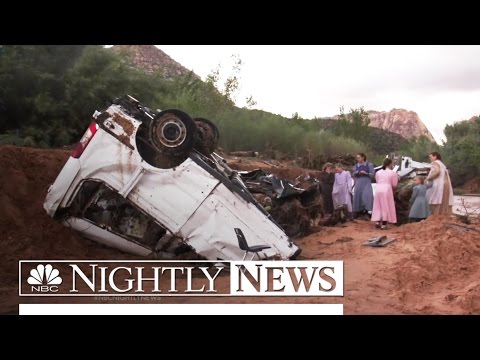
[{"x": 150, "y": 183}]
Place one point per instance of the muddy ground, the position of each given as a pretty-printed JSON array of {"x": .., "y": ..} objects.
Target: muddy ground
[{"x": 432, "y": 268}]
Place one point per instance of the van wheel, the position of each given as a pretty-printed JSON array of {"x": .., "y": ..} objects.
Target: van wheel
[
  {"x": 173, "y": 132},
  {"x": 207, "y": 136}
]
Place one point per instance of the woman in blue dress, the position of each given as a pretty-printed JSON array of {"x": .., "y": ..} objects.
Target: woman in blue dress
[{"x": 363, "y": 173}]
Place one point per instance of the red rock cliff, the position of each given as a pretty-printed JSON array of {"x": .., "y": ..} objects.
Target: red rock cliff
[{"x": 400, "y": 121}]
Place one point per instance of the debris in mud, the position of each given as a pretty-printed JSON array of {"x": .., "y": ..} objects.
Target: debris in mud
[
  {"x": 294, "y": 206},
  {"x": 292, "y": 217},
  {"x": 379, "y": 241},
  {"x": 402, "y": 199}
]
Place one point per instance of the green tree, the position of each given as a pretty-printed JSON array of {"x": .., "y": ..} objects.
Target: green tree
[
  {"x": 419, "y": 148},
  {"x": 48, "y": 93},
  {"x": 353, "y": 125},
  {"x": 32, "y": 84},
  {"x": 462, "y": 150},
  {"x": 230, "y": 87}
]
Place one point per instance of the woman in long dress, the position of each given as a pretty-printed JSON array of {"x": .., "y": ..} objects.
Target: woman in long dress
[
  {"x": 327, "y": 178},
  {"x": 384, "y": 202},
  {"x": 440, "y": 195},
  {"x": 342, "y": 188},
  {"x": 363, "y": 173}
]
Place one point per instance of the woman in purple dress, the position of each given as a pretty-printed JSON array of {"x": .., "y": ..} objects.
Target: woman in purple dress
[
  {"x": 363, "y": 173},
  {"x": 342, "y": 188}
]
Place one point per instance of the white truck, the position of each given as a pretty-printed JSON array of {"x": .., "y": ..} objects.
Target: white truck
[{"x": 149, "y": 183}]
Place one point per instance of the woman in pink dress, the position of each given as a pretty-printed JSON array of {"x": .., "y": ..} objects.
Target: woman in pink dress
[{"x": 384, "y": 203}]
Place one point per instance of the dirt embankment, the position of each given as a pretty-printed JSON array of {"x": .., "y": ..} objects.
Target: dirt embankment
[
  {"x": 432, "y": 268},
  {"x": 26, "y": 231}
]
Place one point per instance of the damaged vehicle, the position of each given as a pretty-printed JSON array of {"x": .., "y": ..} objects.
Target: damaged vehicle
[
  {"x": 410, "y": 168},
  {"x": 149, "y": 183}
]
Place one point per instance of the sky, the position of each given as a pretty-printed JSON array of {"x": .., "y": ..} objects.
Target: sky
[{"x": 440, "y": 83}]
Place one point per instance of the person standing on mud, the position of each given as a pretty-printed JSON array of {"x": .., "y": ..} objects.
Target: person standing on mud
[
  {"x": 327, "y": 178},
  {"x": 419, "y": 209},
  {"x": 440, "y": 194},
  {"x": 384, "y": 202},
  {"x": 363, "y": 173},
  {"x": 342, "y": 189}
]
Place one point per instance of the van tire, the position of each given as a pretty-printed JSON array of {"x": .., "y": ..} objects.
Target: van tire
[{"x": 173, "y": 132}]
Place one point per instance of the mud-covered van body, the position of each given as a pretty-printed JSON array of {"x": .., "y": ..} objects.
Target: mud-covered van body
[{"x": 142, "y": 181}]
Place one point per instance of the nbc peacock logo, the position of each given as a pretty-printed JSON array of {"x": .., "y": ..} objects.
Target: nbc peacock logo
[{"x": 44, "y": 278}]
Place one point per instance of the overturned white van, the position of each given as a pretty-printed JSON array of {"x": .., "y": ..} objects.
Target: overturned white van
[{"x": 148, "y": 182}]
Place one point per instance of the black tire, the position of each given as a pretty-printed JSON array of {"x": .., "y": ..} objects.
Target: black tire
[
  {"x": 207, "y": 136},
  {"x": 173, "y": 132}
]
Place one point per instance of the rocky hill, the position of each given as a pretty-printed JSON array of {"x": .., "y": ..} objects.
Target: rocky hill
[
  {"x": 151, "y": 59},
  {"x": 400, "y": 121}
]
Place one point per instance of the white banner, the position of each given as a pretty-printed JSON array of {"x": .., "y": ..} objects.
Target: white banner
[{"x": 180, "y": 309}]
